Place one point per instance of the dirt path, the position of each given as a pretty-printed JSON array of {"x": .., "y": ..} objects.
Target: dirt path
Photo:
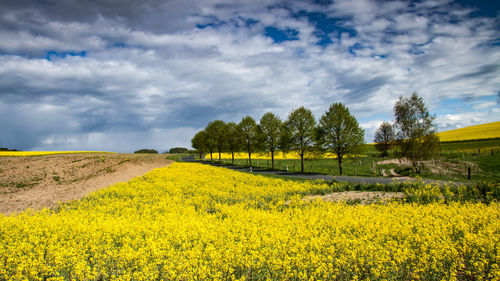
[
  {"x": 394, "y": 174},
  {"x": 43, "y": 181}
]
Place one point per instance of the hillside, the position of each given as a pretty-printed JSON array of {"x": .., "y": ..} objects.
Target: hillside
[{"x": 483, "y": 131}]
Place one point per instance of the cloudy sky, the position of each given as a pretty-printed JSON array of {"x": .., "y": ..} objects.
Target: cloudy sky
[{"x": 124, "y": 75}]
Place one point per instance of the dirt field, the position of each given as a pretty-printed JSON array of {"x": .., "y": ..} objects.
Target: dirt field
[
  {"x": 363, "y": 197},
  {"x": 43, "y": 181}
]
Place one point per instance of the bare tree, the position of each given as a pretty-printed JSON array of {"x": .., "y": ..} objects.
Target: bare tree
[{"x": 384, "y": 138}]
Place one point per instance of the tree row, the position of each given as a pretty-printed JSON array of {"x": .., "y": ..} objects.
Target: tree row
[{"x": 337, "y": 132}]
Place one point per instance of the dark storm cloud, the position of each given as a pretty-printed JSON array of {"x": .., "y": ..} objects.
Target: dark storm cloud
[{"x": 156, "y": 15}]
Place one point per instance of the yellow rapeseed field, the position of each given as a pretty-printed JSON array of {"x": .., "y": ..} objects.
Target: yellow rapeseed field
[
  {"x": 483, "y": 131},
  {"x": 195, "y": 222},
  {"x": 38, "y": 153}
]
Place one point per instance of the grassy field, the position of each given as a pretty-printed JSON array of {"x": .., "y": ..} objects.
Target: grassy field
[
  {"x": 483, "y": 156},
  {"x": 197, "y": 222}
]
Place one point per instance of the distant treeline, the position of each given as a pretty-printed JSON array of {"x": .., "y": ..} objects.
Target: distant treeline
[
  {"x": 172, "y": 150},
  {"x": 145, "y": 150},
  {"x": 6, "y": 149}
]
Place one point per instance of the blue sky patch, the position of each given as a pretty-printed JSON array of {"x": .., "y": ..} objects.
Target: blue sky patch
[
  {"x": 280, "y": 35},
  {"x": 62, "y": 55}
]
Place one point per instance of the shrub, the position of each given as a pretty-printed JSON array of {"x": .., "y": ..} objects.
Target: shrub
[
  {"x": 150, "y": 151},
  {"x": 178, "y": 150}
]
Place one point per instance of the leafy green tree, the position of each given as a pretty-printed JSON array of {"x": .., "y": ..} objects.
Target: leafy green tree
[
  {"x": 270, "y": 128},
  {"x": 415, "y": 130},
  {"x": 384, "y": 138},
  {"x": 299, "y": 133},
  {"x": 198, "y": 142},
  {"x": 216, "y": 136},
  {"x": 248, "y": 134},
  {"x": 232, "y": 139},
  {"x": 340, "y": 133},
  {"x": 178, "y": 150},
  {"x": 145, "y": 150}
]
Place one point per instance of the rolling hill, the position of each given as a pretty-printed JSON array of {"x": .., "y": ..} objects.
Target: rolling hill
[{"x": 483, "y": 131}]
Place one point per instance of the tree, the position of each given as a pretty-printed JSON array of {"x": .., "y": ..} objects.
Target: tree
[
  {"x": 198, "y": 142},
  {"x": 270, "y": 131},
  {"x": 300, "y": 133},
  {"x": 384, "y": 138},
  {"x": 178, "y": 150},
  {"x": 248, "y": 134},
  {"x": 232, "y": 139},
  {"x": 146, "y": 150},
  {"x": 216, "y": 137},
  {"x": 339, "y": 132},
  {"x": 415, "y": 130}
]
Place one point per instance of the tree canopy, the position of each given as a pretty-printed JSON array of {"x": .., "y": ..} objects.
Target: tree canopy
[
  {"x": 415, "y": 129},
  {"x": 300, "y": 133},
  {"x": 216, "y": 136},
  {"x": 248, "y": 134},
  {"x": 198, "y": 142},
  {"x": 232, "y": 140},
  {"x": 340, "y": 133},
  {"x": 270, "y": 132}
]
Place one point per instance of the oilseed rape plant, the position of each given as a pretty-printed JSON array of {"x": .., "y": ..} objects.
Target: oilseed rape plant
[
  {"x": 483, "y": 131},
  {"x": 195, "y": 222}
]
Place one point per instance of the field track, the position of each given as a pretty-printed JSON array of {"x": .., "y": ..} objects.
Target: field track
[{"x": 43, "y": 181}]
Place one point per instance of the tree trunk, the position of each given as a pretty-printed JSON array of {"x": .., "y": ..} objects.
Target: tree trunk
[
  {"x": 211, "y": 158},
  {"x": 200, "y": 156},
  {"x": 272, "y": 159},
  {"x": 340, "y": 164},
  {"x": 249, "y": 159},
  {"x": 219, "y": 156},
  {"x": 302, "y": 161},
  {"x": 232, "y": 157}
]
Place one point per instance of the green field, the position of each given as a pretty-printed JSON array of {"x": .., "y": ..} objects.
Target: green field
[{"x": 483, "y": 156}]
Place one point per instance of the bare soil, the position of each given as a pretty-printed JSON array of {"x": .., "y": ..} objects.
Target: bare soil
[
  {"x": 43, "y": 181},
  {"x": 362, "y": 197},
  {"x": 399, "y": 161}
]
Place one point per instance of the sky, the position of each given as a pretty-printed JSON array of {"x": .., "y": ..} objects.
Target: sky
[{"x": 124, "y": 75}]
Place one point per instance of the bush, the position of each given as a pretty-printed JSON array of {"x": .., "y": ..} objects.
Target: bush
[
  {"x": 6, "y": 149},
  {"x": 178, "y": 150},
  {"x": 406, "y": 171},
  {"x": 150, "y": 151},
  {"x": 430, "y": 193}
]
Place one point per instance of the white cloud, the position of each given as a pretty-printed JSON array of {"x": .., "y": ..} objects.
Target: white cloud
[{"x": 460, "y": 120}]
